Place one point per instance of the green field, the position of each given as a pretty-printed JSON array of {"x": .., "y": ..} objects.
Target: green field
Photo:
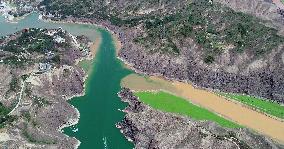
[
  {"x": 173, "y": 104},
  {"x": 266, "y": 106}
]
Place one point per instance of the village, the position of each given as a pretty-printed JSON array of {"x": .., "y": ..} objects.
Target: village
[
  {"x": 5, "y": 8},
  {"x": 33, "y": 59},
  {"x": 15, "y": 10}
]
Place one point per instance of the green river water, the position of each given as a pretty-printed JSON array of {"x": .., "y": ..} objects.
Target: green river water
[{"x": 99, "y": 107}]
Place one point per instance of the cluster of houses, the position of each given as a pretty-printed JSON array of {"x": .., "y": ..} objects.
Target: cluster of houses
[
  {"x": 58, "y": 39},
  {"x": 4, "y": 7},
  {"x": 44, "y": 67},
  {"x": 9, "y": 11}
]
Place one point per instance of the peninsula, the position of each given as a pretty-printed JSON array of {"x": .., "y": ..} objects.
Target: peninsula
[{"x": 38, "y": 75}]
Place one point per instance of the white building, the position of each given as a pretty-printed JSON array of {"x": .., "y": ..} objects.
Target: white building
[
  {"x": 59, "y": 39},
  {"x": 43, "y": 67}
]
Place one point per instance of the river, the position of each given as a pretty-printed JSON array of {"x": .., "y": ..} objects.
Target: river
[{"x": 99, "y": 107}]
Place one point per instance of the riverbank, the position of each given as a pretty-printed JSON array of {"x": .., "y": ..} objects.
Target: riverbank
[
  {"x": 71, "y": 122},
  {"x": 117, "y": 33},
  {"x": 150, "y": 128},
  {"x": 99, "y": 106},
  {"x": 231, "y": 110},
  {"x": 64, "y": 81},
  {"x": 89, "y": 61},
  {"x": 103, "y": 69},
  {"x": 117, "y": 42},
  {"x": 119, "y": 46}
]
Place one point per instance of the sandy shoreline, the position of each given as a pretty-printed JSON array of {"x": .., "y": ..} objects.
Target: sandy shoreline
[
  {"x": 117, "y": 43},
  {"x": 115, "y": 37},
  {"x": 95, "y": 47}
]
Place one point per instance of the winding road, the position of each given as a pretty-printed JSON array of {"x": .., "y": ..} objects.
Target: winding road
[{"x": 20, "y": 98}]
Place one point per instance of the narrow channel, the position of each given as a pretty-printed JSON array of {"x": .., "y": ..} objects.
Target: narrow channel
[{"x": 99, "y": 107}]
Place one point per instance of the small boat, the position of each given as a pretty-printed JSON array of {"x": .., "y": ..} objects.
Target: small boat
[
  {"x": 105, "y": 142},
  {"x": 75, "y": 130}
]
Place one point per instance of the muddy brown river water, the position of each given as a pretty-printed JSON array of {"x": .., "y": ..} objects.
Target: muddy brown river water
[{"x": 231, "y": 110}]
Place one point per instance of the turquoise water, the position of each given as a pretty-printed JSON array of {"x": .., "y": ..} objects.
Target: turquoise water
[
  {"x": 32, "y": 21},
  {"x": 99, "y": 107}
]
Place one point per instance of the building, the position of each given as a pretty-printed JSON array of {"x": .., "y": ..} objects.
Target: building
[
  {"x": 59, "y": 39},
  {"x": 44, "y": 67}
]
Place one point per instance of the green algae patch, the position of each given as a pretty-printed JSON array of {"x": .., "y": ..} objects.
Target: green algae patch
[
  {"x": 169, "y": 103},
  {"x": 262, "y": 105},
  {"x": 86, "y": 65}
]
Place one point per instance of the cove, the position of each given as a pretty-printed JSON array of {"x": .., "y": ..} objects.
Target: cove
[{"x": 99, "y": 106}]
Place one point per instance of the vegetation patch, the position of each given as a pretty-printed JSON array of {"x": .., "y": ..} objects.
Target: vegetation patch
[
  {"x": 265, "y": 106},
  {"x": 212, "y": 26},
  {"x": 27, "y": 115},
  {"x": 33, "y": 139},
  {"x": 86, "y": 65},
  {"x": 31, "y": 46},
  {"x": 173, "y": 104},
  {"x": 14, "y": 84},
  {"x": 5, "y": 119},
  {"x": 40, "y": 101}
]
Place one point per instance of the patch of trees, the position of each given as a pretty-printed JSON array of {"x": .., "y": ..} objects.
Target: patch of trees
[
  {"x": 5, "y": 119},
  {"x": 210, "y": 24},
  {"x": 213, "y": 27}
]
